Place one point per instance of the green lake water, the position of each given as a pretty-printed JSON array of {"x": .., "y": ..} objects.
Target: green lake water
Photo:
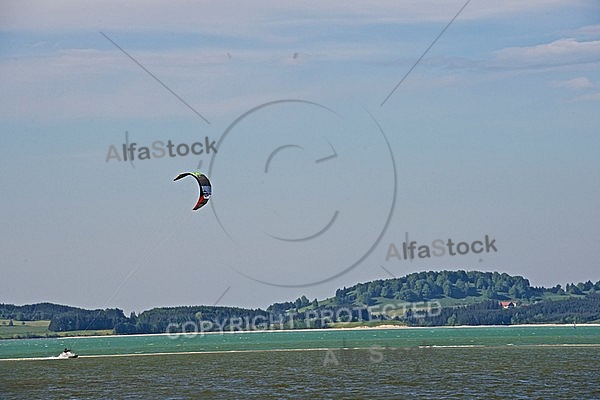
[{"x": 491, "y": 362}]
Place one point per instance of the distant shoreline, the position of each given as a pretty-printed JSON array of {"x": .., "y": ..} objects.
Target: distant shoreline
[
  {"x": 420, "y": 299},
  {"x": 354, "y": 328}
]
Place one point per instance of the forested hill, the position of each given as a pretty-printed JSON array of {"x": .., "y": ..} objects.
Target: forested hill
[
  {"x": 463, "y": 297},
  {"x": 430, "y": 285}
]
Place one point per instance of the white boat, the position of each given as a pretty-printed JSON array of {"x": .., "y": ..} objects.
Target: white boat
[{"x": 67, "y": 354}]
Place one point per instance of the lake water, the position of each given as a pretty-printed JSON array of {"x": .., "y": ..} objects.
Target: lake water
[{"x": 491, "y": 362}]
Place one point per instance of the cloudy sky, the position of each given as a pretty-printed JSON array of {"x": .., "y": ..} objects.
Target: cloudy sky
[{"x": 494, "y": 132}]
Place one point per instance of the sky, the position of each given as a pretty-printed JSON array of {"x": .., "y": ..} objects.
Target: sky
[{"x": 320, "y": 170}]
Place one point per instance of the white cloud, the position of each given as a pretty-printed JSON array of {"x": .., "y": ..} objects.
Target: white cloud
[
  {"x": 91, "y": 82},
  {"x": 244, "y": 17},
  {"x": 590, "y": 31},
  {"x": 557, "y": 53},
  {"x": 588, "y": 97},
  {"x": 581, "y": 82},
  {"x": 83, "y": 83}
]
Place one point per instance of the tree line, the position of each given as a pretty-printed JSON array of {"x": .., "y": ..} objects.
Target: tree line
[
  {"x": 570, "y": 311},
  {"x": 489, "y": 288}
]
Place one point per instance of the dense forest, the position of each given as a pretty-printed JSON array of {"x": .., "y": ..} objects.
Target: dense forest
[
  {"x": 33, "y": 312},
  {"x": 63, "y": 318},
  {"x": 430, "y": 285},
  {"x": 571, "y": 311},
  {"x": 158, "y": 320},
  {"x": 463, "y": 298}
]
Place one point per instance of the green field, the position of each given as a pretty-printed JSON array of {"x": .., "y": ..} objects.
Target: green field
[{"x": 39, "y": 329}]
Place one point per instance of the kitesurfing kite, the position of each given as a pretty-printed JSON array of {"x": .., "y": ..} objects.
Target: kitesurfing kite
[{"x": 204, "y": 186}]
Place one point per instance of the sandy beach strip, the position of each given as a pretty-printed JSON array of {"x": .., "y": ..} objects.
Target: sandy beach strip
[{"x": 360, "y": 327}]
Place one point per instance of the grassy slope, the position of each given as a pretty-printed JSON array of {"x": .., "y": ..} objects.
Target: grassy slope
[
  {"x": 398, "y": 307},
  {"x": 445, "y": 301}
]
